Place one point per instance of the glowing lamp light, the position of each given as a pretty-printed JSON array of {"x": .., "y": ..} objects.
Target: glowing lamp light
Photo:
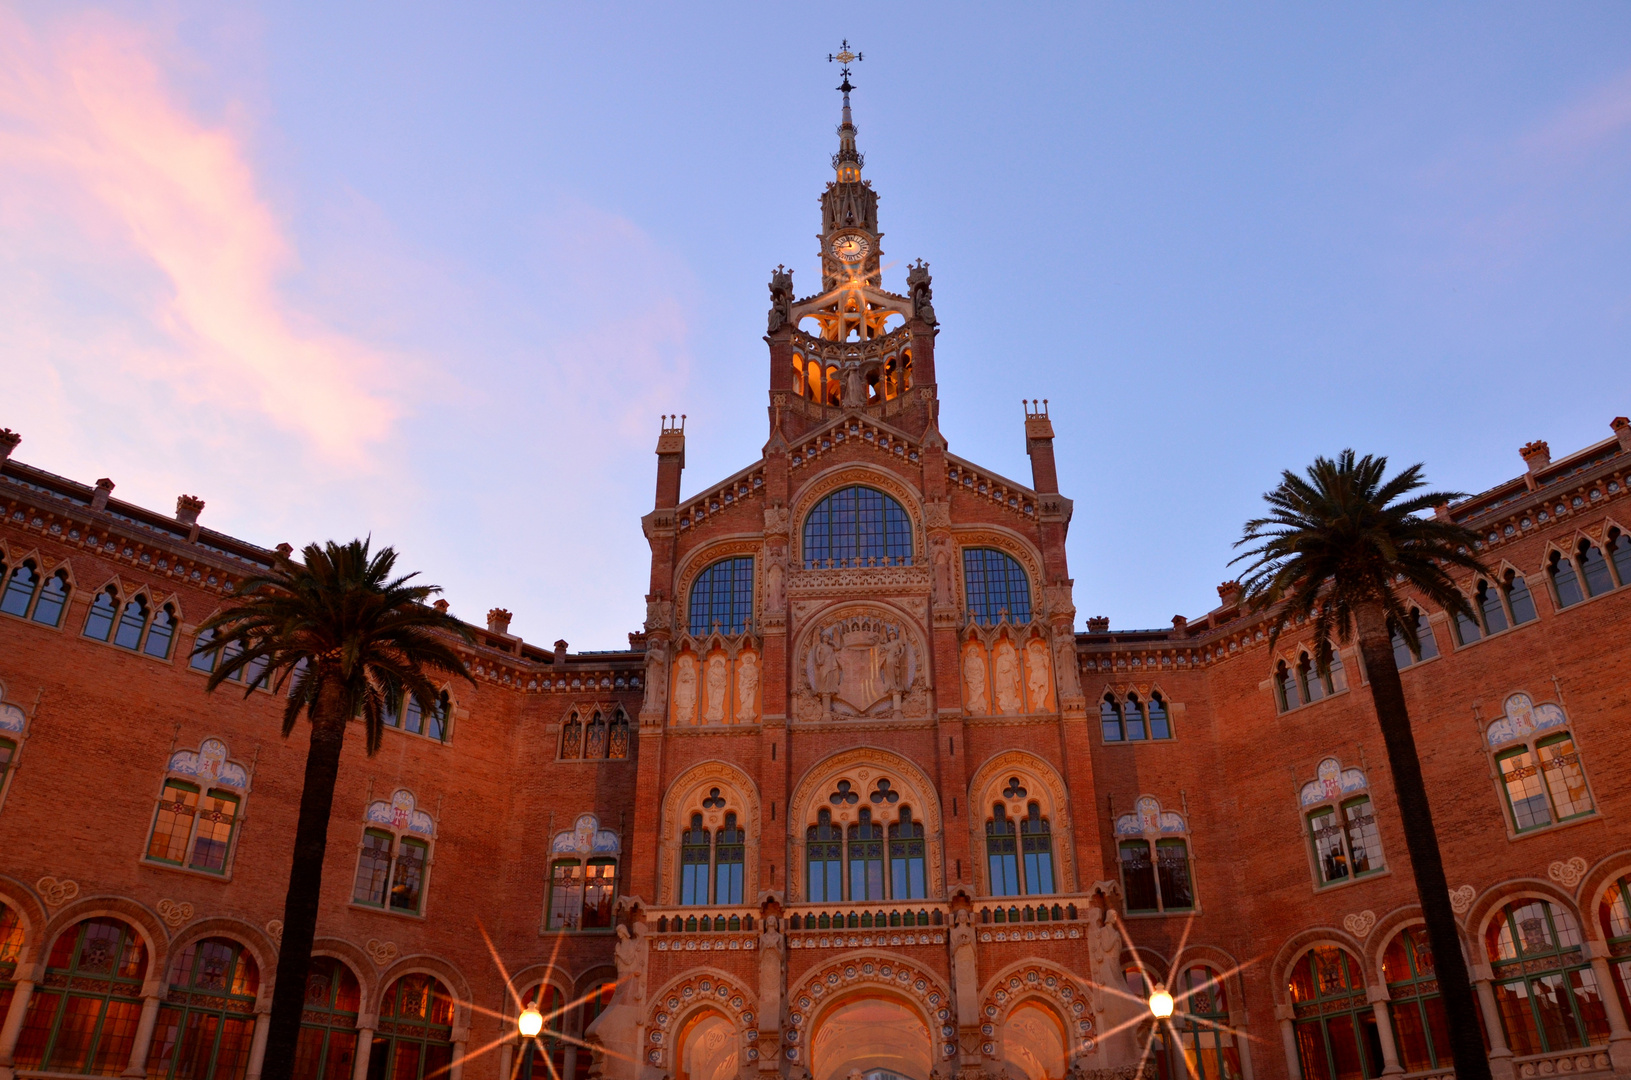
[
  {"x": 1161, "y": 1004},
  {"x": 531, "y": 1021}
]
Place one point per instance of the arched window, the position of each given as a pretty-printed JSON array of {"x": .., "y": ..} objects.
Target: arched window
[
  {"x": 53, "y": 599},
  {"x": 1132, "y": 717},
  {"x": 1335, "y": 1026},
  {"x": 11, "y": 947},
  {"x": 1201, "y": 1021},
  {"x": 1286, "y": 691},
  {"x": 617, "y": 744},
  {"x": 857, "y": 526},
  {"x": 19, "y": 591},
  {"x": 572, "y": 738},
  {"x": 583, "y": 876},
  {"x": 696, "y": 854},
  {"x": 1614, "y": 912},
  {"x": 415, "y": 1036},
  {"x": 996, "y": 587},
  {"x": 866, "y": 858},
  {"x": 594, "y": 743},
  {"x": 1488, "y": 603},
  {"x": 824, "y": 851},
  {"x": 1159, "y": 728},
  {"x": 1565, "y": 584},
  {"x": 552, "y": 1003},
  {"x": 1110, "y": 718},
  {"x": 1133, "y": 720},
  {"x": 104, "y": 609},
  {"x": 394, "y": 861},
  {"x": 412, "y": 718},
  {"x": 203, "y": 1033},
  {"x": 1154, "y": 855},
  {"x": 1341, "y": 824},
  {"x": 1036, "y": 844},
  {"x": 1314, "y": 686},
  {"x": 82, "y": 1018},
  {"x": 1518, "y": 598},
  {"x": 327, "y": 1046},
  {"x": 906, "y": 851},
  {"x": 1002, "y": 853},
  {"x": 722, "y": 598},
  {"x": 1427, "y": 647},
  {"x": 1594, "y": 569},
  {"x": 1467, "y": 629},
  {"x": 730, "y": 849},
  {"x": 1420, "y": 1030},
  {"x": 1545, "y": 989},
  {"x": 131, "y": 623},
  {"x": 161, "y": 632},
  {"x": 1619, "y": 550}
]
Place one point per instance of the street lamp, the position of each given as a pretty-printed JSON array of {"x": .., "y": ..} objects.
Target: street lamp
[
  {"x": 531, "y": 1021},
  {"x": 1161, "y": 1004}
]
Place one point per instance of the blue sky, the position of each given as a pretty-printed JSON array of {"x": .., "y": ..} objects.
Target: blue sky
[{"x": 434, "y": 271}]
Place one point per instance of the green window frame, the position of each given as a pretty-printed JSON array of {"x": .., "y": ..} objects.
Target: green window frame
[
  {"x": 1208, "y": 1044},
  {"x": 1615, "y": 914},
  {"x": 1544, "y": 784},
  {"x": 1545, "y": 989},
  {"x": 207, "y": 1022},
  {"x": 408, "y": 875},
  {"x": 326, "y": 1048},
  {"x": 11, "y": 947},
  {"x": 414, "y": 1040},
  {"x": 565, "y": 895},
  {"x": 1421, "y": 1031},
  {"x": 373, "y": 868},
  {"x": 1344, "y": 839},
  {"x": 82, "y": 1017},
  {"x": 193, "y": 828},
  {"x": 552, "y": 1003},
  {"x": 1333, "y": 1024}
]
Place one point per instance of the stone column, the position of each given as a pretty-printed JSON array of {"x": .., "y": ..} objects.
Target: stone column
[
  {"x": 1500, "y": 1056},
  {"x": 574, "y": 1028},
  {"x": 1619, "y": 1033},
  {"x": 461, "y": 1045},
  {"x": 1378, "y": 998},
  {"x": 1288, "y": 1039},
  {"x": 151, "y": 1000},
  {"x": 27, "y": 974},
  {"x": 506, "y": 1057},
  {"x": 1243, "y": 1044},
  {"x": 365, "y": 1044},
  {"x": 257, "y": 1042}
]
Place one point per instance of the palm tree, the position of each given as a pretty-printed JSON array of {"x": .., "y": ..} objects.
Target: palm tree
[
  {"x": 1337, "y": 548},
  {"x": 351, "y": 640}
]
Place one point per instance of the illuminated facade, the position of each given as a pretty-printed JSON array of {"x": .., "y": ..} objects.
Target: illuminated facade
[{"x": 859, "y": 798}]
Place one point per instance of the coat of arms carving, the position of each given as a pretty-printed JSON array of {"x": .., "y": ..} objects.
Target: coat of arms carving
[{"x": 861, "y": 665}]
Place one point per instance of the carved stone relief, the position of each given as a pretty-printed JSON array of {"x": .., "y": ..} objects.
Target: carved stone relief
[
  {"x": 858, "y": 662},
  {"x": 718, "y": 686},
  {"x": 1005, "y": 678},
  {"x": 747, "y": 687},
  {"x": 975, "y": 701},
  {"x": 685, "y": 690},
  {"x": 1038, "y": 676}
]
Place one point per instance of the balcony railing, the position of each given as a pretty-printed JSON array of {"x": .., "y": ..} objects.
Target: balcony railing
[{"x": 1591, "y": 1060}]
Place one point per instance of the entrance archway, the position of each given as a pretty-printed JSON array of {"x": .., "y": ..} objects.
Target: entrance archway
[
  {"x": 707, "y": 1049},
  {"x": 875, "y": 1035},
  {"x": 1033, "y": 1043}
]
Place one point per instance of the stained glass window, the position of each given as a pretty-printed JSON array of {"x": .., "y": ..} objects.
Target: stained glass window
[
  {"x": 722, "y": 598},
  {"x": 1544, "y": 784},
  {"x": 414, "y": 1040},
  {"x": 572, "y": 738},
  {"x": 729, "y": 852},
  {"x": 408, "y": 882},
  {"x": 857, "y": 526},
  {"x": 565, "y": 895},
  {"x": 696, "y": 854},
  {"x": 618, "y": 746},
  {"x": 327, "y": 1045},
  {"x": 373, "y": 868},
  {"x": 1615, "y": 913},
  {"x": 1201, "y": 1021},
  {"x": 1334, "y": 1026},
  {"x": 203, "y": 1032},
  {"x": 1545, "y": 989},
  {"x": 1138, "y": 876},
  {"x": 83, "y": 1017},
  {"x": 599, "y": 889},
  {"x": 996, "y": 587},
  {"x": 866, "y": 859},
  {"x": 1419, "y": 1027}
]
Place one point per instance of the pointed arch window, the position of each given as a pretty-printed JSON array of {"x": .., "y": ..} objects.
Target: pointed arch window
[
  {"x": 53, "y": 599},
  {"x": 1619, "y": 551},
  {"x": 203, "y": 1032},
  {"x": 1419, "y": 1026},
  {"x": 996, "y": 587},
  {"x": 824, "y": 851},
  {"x": 20, "y": 588},
  {"x": 1519, "y": 600},
  {"x": 1594, "y": 568},
  {"x": 857, "y": 526},
  {"x": 415, "y": 720},
  {"x": 1545, "y": 989},
  {"x": 132, "y": 619},
  {"x": 1313, "y": 686},
  {"x": 1426, "y": 645},
  {"x": 327, "y": 1045},
  {"x": 722, "y": 598},
  {"x": 415, "y": 1036},
  {"x": 906, "y": 852},
  {"x": 572, "y": 738},
  {"x": 1134, "y": 720},
  {"x": 696, "y": 855},
  {"x": 1487, "y": 601},
  {"x": 104, "y": 610},
  {"x": 83, "y": 1016},
  {"x": 1565, "y": 583}
]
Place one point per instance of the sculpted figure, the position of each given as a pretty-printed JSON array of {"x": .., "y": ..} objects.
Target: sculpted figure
[
  {"x": 719, "y": 678},
  {"x": 747, "y": 687},
  {"x": 854, "y": 386},
  {"x": 631, "y": 957},
  {"x": 1104, "y": 949},
  {"x": 781, "y": 299},
  {"x": 775, "y": 584},
  {"x": 1005, "y": 672},
  {"x": 656, "y": 677},
  {"x": 974, "y": 680},
  {"x": 1036, "y": 674},
  {"x": 827, "y": 671},
  {"x": 685, "y": 691},
  {"x": 965, "y": 979},
  {"x": 892, "y": 664},
  {"x": 1065, "y": 654},
  {"x": 945, "y": 588}
]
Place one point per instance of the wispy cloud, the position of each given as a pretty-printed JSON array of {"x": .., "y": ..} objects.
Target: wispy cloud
[{"x": 1587, "y": 122}]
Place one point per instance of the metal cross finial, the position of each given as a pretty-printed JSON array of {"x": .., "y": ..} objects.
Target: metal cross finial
[{"x": 846, "y": 58}]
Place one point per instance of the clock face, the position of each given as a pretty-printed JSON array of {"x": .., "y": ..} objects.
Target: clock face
[{"x": 850, "y": 248}]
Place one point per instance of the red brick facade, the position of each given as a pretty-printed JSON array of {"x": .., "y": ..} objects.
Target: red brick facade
[{"x": 826, "y": 681}]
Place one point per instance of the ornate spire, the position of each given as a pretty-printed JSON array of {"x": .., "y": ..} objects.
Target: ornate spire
[{"x": 848, "y": 161}]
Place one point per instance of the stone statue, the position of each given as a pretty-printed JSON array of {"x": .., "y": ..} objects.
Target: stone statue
[
  {"x": 974, "y": 680},
  {"x": 827, "y": 672},
  {"x": 918, "y": 285},
  {"x": 1064, "y": 652},
  {"x": 781, "y": 299},
  {"x": 770, "y": 973},
  {"x": 854, "y": 386},
  {"x": 656, "y": 677},
  {"x": 775, "y": 582},
  {"x": 685, "y": 691},
  {"x": 945, "y": 587},
  {"x": 892, "y": 664},
  {"x": 747, "y": 687},
  {"x": 1104, "y": 949},
  {"x": 1037, "y": 679},
  {"x": 719, "y": 677},
  {"x": 612, "y": 1036},
  {"x": 1005, "y": 677},
  {"x": 965, "y": 977}
]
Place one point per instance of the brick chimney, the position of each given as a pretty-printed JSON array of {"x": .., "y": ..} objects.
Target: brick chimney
[
  {"x": 441, "y": 606},
  {"x": 1098, "y": 624},
  {"x": 1536, "y": 455},
  {"x": 560, "y": 651},
  {"x": 1180, "y": 625},
  {"x": 8, "y": 442},
  {"x": 1621, "y": 426},
  {"x": 1229, "y": 593},
  {"x": 99, "y": 497},
  {"x": 1039, "y": 444},
  {"x": 284, "y": 549},
  {"x": 498, "y": 621}
]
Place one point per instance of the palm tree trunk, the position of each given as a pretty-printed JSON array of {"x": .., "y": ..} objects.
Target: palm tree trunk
[
  {"x": 1421, "y": 840},
  {"x": 305, "y": 882}
]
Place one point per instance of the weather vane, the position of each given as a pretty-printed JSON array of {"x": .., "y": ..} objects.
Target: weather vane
[{"x": 846, "y": 58}]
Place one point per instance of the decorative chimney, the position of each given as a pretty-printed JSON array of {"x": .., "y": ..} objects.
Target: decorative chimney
[
  {"x": 1621, "y": 426},
  {"x": 560, "y": 651},
  {"x": 1229, "y": 593},
  {"x": 498, "y": 621},
  {"x": 99, "y": 497},
  {"x": 441, "y": 606},
  {"x": 1537, "y": 455},
  {"x": 1098, "y": 624},
  {"x": 8, "y": 442},
  {"x": 284, "y": 550},
  {"x": 1180, "y": 624},
  {"x": 188, "y": 507}
]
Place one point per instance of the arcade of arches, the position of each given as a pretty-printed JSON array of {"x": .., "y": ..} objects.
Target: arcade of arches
[{"x": 860, "y": 800}]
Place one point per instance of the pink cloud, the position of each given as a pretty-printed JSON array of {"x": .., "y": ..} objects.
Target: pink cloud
[
  {"x": 97, "y": 150},
  {"x": 1581, "y": 125}
]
